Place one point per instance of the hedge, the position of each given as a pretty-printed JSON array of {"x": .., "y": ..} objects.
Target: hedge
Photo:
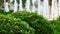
[
  {"x": 56, "y": 25},
  {"x": 11, "y": 25},
  {"x": 24, "y": 22},
  {"x": 38, "y": 22}
]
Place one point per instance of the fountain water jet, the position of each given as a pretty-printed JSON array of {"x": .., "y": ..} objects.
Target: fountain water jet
[
  {"x": 27, "y": 5},
  {"x": 40, "y": 7},
  {"x": 6, "y": 6},
  {"x": 46, "y": 9},
  {"x": 59, "y": 7},
  {"x": 33, "y": 6},
  {"x": 54, "y": 9},
  {"x": 11, "y": 6},
  {"x": 20, "y": 6},
  {"x": 15, "y": 6}
]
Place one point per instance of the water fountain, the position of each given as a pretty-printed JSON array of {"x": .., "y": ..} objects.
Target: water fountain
[
  {"x": 6, "y": 6},
  {"x": 27, "y": 5},
  {"x": 59, "y": 7},
  {"x": 46, "y": 8},
  {"x": 15, "y": 6},
  {"x": 39, "y": 6},
  {"x": 43, "y": 7},
  {"x": 20, "y": 6},
  {"x": 33, "y": 6},
  {"x": 54, "y": 9}
]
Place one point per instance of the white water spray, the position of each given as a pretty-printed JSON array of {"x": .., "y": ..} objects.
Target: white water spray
[
  {"x": 15, "y": 6},
  {"x": 6, "y": 6},
  {"x": 59, "y": 7},
  {"x": 46, "y": 9},
  {"x": 27, "y": 5},
  {"x": 20, "y": 6},
  {"x": 39, "y": 6},
  {"x": 33, "y": 6},
  {"x": 54, "y": 9}
]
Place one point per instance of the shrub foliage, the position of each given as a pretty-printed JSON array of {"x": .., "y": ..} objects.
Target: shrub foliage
[
  {"x": 23, "y": 22},
  {"x": 38, "y": 22},
  {"x": 11, "y": 25},
  {"x": 56, "y": 25}
]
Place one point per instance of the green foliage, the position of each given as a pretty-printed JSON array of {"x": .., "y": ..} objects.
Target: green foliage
[
  {"x": 1, "y": 1},
  {"x": 1, "y": 11},
  {"x": 23, "y": 22},
  {"x": 56, "y": 25},
  {"x": 38, "y": 22},
  {"x": 11, "y": 25}
]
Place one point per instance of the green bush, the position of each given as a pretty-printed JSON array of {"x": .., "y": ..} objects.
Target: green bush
[
  {"x": 56, "y": 25},
  {"x": 38, "y": 22},
  {"x": 11, "y": 25},
  {"x": 1, "y": 11},
  {"x": 23, "y": 22}
]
